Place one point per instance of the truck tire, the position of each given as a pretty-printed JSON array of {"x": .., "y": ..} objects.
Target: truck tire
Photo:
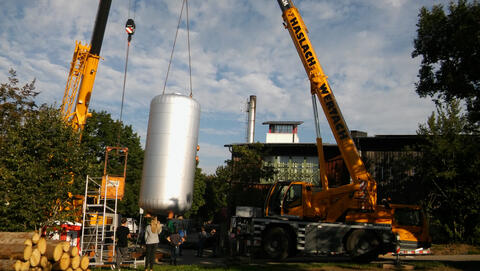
[
  {"x": 276, "y": 243},
  {"x": 362, "y": 246}
]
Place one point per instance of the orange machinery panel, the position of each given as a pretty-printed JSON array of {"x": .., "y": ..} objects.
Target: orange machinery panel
[{"x": 111, "y": 188}]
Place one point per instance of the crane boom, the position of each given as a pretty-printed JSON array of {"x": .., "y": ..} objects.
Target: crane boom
[
  {"x": 83, "y": 70},
  {"x": 319, "y": 86}
]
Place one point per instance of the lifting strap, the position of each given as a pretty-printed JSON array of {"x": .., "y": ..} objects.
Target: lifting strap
[{"x": 184, "y": 3}]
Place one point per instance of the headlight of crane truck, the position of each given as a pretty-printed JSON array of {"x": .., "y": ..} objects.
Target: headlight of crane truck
[{"x": 301, "y": 217}]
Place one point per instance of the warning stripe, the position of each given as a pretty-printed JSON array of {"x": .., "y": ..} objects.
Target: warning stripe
[{"x": 418, "y": 251}]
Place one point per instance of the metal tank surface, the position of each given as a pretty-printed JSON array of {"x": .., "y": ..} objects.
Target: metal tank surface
[{"x": 170, "y": 150}]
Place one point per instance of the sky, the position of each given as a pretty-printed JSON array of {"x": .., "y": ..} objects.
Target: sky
[{"x": 238, "y": 49}]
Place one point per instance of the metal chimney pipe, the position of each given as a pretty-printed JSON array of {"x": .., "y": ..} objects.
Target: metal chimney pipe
[{"x": 252, "y": 104}]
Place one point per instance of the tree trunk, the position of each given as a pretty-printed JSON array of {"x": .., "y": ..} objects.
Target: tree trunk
[
  {"x": 6, "y": 264},
  {"x": 12, "y": 237},
  {"x": 63, "y": 263},
  {"x": 66, "y": 246},
  {"x": 27, "y": 253},
  {"x": 42, "y": 245},
  {"x": 75, "y": 262},
  {"x": 54, "y": 250},
  {"x": 84, "y": 262},
  {"x": 35, "y": 258},
  {"x": 28, "y": 242},
  {"x": 44, "y": 261},
  {"x": 35, "y": 238},
  {"x": 21, "y": 265},
  {"x": 12, "y": 251},
  {"x": 73, "y": 251}
]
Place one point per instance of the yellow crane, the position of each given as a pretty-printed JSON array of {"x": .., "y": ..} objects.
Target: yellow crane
[
  {"x": 300, "y": 216},
  {"x": 83, "y": 70}
]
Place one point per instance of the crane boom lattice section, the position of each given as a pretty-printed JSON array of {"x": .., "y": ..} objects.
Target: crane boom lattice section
[{"x": 77, "y": 70}]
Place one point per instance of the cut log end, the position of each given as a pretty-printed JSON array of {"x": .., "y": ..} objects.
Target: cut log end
[
  {"x": 84, "y": 262},
  {"x": 35, "y": 257},
  {"x": 27, "y": 253}
]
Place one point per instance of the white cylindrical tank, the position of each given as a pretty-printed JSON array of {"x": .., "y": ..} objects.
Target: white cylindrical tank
[{"x": 170, "y": 151}]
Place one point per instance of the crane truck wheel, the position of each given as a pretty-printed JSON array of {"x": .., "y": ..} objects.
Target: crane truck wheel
[
  {"x": 276, "y": 243},
  {"x": 362, "y": 246}
]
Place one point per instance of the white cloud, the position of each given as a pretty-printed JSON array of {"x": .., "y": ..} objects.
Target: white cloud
[{"x": 238, "y": 48}]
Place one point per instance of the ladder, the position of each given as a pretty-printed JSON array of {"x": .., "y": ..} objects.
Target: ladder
[{"x": 99, "y": 219}]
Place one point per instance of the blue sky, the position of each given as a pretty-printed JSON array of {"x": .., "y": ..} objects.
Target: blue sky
[{"x": 238, "y": 49}]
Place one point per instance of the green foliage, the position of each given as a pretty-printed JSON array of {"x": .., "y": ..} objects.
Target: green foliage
[
  {"x": 247, "y": 165},
  {"x": 198, "y": 193},
  {"x": 216, "y": 192},
  {"x": 449, "y": 45},
  {"x": 40, "y": 154},
  {"x": 394, "y": 175},
  {"x": 209, "y": 196},
  {"x": 102, "y": 131},
  {"x": 43, "y": 160},
  {"x": 213, "y": 192},
  {"x": 448, "y": 175},
  {"x": 243, "y": 172},
  {"x": 15, "y": 101}
]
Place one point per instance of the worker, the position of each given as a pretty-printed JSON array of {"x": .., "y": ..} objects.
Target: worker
[
  {"x": 183, "y": 235},
  {"x": 175, "y": 241},
  {"x": 202, "y": 237},
  {"x": 151, "y": 240},
  {"x": 122, "y": 234},
  {"x": 215, "y": 238}
]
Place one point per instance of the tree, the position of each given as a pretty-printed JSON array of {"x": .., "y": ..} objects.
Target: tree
[
  {"x": 42, "y": 159},
  {"x": 247, "y": 164},
  {"x": 395, "y": 179},
  {"x": 15, "y": 101},
  {"x": 102, "y": 131},
  {"x": 40, "y": 154},
  {"x": 216, "y": 192},
  {"x": 450, "y": 47},
  {"x": 209, "y": 195},
  {"x": 448, "y": 176},
  {"x": 244, "y": 173},
  {"x": 198, "y": 193}
]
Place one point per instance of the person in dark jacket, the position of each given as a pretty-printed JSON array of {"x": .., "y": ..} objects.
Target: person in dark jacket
[
  {"x": 202, "y": 238},
  {"x": 122, "y": 235},
  {"x": 175, "y": 240},
  {"x": 216, "y": 242}
]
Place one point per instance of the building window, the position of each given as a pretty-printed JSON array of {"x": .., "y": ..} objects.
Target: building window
[{"x": 281, "y": 128}]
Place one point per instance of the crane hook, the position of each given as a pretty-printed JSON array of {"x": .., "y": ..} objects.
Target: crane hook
[{"x": 130, "y": 28}]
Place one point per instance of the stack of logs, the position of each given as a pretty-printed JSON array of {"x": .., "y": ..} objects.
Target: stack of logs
[{"x": 22, "y": 251}]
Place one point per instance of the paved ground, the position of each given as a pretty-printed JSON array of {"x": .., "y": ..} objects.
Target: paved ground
[
  {"x": 441, "y": 258},
  {"x": 189, "y": 258}
]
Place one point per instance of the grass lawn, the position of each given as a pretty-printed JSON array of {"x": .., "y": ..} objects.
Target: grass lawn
[
  {"x": 243, "y": 265},
  {"x": 436, "y": 266}
]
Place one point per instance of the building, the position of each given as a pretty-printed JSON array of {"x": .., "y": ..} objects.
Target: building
[
  {"x": 293, "y": 160},
  {"x": 282, "y": 131}
]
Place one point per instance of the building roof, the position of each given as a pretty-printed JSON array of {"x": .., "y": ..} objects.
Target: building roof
[
  {"x": 293, "y": 149},
  {"x": 375, "y": 143},
  {"x": 284, "y": 122}
]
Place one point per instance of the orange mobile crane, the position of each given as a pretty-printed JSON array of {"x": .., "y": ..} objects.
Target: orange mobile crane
[{"x": 299, "y": 216}]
